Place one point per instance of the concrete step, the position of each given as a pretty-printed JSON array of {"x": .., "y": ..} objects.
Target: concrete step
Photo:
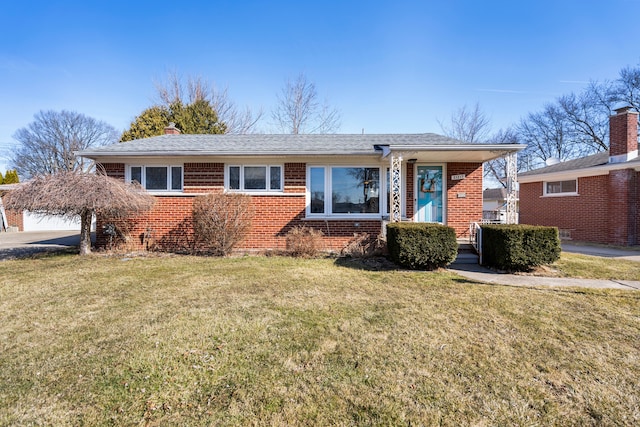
[
  {"x": 466, "y": 258},
  {"x": 466, "y": 254}
]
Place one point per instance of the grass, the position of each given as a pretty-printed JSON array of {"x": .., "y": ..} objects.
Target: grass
[
  {"x": 279, "y": 341},
  {"x": 593, "y": 267}
]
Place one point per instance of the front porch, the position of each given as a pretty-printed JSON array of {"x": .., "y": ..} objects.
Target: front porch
[{"x": 426, "y": 186}]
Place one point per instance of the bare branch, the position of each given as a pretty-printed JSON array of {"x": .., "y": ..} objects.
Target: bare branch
[
  {"x": 298, "y": 110},
  {"x": 174, "y": 90},
  {"x": 467, "y": 124},
  {"x": 47, "y": 145}
]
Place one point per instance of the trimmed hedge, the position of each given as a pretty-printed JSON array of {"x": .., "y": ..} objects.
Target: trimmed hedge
[
  {"x": 423, "y": 246},
  {"x": 519, "y": 247}
]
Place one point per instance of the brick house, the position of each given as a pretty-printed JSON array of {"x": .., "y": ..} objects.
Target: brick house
[
  {"x": 339, "y": 184},
  {"x": 9, "y": 218},
  {"x": 590, "y": 199}
]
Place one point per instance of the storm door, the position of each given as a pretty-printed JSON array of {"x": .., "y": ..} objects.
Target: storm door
[{"x": 429, "y": 200}]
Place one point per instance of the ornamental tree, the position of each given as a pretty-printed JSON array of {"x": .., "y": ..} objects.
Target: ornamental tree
[{"x": 79, "y": 194}]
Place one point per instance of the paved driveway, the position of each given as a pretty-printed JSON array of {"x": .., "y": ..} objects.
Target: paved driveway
[
  {"x": 631, "y": 254},
  {"x": 21, "y": 244}
]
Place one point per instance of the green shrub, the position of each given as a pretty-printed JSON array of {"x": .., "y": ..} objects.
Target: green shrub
[
  {"x": 422, "y": 246},
  {"x": 519, "y": 247}
]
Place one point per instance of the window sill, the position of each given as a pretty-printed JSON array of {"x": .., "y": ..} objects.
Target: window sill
[
  {"x": 560, "y": 195},
  {"x": 263, "y": 193},
  {"x": 339, "y": 217},
  {"x": 168, "y": 193}
]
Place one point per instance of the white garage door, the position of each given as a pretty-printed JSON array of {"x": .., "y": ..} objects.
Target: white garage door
[{"x": 38, "y": 222}]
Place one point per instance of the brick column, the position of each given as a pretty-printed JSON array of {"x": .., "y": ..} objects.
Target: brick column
[{"x": 623, "y": 206}]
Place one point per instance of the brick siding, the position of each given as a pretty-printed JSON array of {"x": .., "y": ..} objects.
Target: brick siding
[
  {"x": 464, "y": 197},
  {"x": 605, "y": 211},
  {"x": 169, "y": 225},
  {"x": 15, "y": 219}
]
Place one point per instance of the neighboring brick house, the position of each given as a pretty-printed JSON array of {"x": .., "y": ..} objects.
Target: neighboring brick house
[
  {"x": 494, "y": 204},
  {"x": 9, "y": 218},
  {"x": 594, "y": 198},
  {"x": 339, "y": 184}
]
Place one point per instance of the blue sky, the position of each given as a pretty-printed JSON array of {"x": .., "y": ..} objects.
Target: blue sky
[{"x": 389, "y": 67}]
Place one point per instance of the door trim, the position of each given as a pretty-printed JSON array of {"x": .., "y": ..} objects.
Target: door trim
[{"x": 444, "y": 190}]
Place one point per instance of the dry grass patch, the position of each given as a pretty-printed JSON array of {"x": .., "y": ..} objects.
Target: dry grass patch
[
  {"x": 280, "y": 341},
  {"x": 593, "y": 267}
]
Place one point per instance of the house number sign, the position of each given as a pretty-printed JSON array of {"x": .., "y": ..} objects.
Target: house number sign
[{"x": 458, "y": 177}]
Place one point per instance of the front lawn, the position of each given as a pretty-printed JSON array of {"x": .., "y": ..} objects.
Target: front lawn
[
  {"x": 594, "y": 267},
  {"x": 279, "y": 341}
]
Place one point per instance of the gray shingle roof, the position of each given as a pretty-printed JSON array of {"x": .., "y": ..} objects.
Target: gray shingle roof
[
  {"x": 270, "y": 144},
  {"x": 576, "y": 164}
]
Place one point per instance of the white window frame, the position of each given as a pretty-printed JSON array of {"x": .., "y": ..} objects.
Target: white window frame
[
  {"x": 328, "y": 187},
  {"x": 144, "y": 167},
  {"x": 560, "y": 194},
  {"x": 268, "y": 189}
]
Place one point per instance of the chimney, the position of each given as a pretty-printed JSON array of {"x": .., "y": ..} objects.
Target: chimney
[
  {"x": 171, "y": 129},
  {"x": 623, "y": 135}
]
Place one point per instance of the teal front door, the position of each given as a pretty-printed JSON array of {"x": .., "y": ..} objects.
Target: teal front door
[{"x": 430, "y": 194}]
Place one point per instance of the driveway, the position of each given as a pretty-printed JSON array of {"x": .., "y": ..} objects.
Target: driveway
[
  {"x": 23, "y": 244},
  {"x": 631, "y": 254}
]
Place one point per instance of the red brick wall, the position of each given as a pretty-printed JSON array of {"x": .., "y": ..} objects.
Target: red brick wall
[
  {"x": 603, "y": 212},
  {"x": 15, "y": 219},
  {"x": 464, "y": 197},
  {"x": 115, "y": 170},
  {"x": 209, "y": 175},
  {"x": 410, "y": 187},
  {"x": 295, "y": 177},
  {"x": 623, "y": 133},
  {"x": 169, "y": 223},
  {"x": 623, "y": 205}
]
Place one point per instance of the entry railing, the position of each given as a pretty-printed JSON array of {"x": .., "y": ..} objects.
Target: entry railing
[{"x": 475, "y": 238}]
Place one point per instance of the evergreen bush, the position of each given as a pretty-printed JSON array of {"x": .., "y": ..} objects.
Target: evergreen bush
[
  {"x": 519, "y": 247},
  {"x": 423, "y": 246}
]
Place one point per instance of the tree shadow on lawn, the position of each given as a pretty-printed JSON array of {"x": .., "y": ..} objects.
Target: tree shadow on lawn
[{"x": 367, "y": 263}]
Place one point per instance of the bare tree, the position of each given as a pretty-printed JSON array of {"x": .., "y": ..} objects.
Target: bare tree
[
  {"x": 496, "y": 170},
  {"x": 79, "y": 194},
  {"x": 299, "y": 111},
  {"x": 548, "y": 135},
  {"x": 471, "y": 125},
  {"x": 47, "y": 145},
  {"x": 468, "y": 124},
  {"x": 588, "y": 116},
  {"x": 626, "y": 88},
  {"x": 175, "y": 90}
]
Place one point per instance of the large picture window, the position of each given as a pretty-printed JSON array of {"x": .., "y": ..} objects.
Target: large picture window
[
  {"x": 157, "y": 178},
  {"x": 255, "y": 178},
  {"x": 568, "y": 187},
  {"x": 352, "y": 190}
]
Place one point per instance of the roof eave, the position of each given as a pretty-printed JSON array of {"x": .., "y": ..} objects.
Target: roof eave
[
  {"x": 460, "y": 147},
  {"x": 578, "y": 173},
  {"x": 97, "y": 154}
]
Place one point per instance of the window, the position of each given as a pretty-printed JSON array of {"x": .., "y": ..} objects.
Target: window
[
  {"x": 255, "y": 178},
  {"x": 316, "y": 188},
  {"x": 353, "y": 190},
  {"x": 157, "y": 178},
  {"x": 561, "y": 187}
]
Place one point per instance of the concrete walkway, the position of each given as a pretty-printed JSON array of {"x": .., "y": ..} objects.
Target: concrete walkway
[{"x": 483, "y": 274}]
